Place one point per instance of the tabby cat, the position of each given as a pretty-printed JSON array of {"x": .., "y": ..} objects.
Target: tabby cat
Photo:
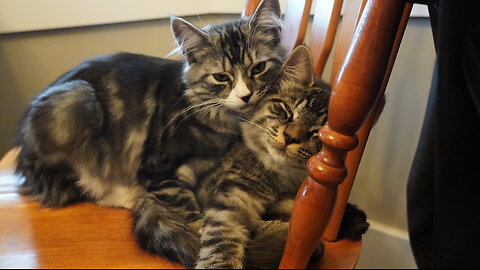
[
  {"x": 116, "y": 126},
  {"x": 261, "y": 175}
]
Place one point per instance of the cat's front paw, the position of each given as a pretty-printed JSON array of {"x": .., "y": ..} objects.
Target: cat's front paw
[
  {"x": 219, "y": 263},
  {"x": 354, "y": 223}
]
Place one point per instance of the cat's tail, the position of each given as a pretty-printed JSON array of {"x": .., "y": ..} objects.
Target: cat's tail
[{"x": 162, "y": 230}]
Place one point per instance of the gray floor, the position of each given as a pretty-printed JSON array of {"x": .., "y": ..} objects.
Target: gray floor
[{"x": 383, "y": 250}]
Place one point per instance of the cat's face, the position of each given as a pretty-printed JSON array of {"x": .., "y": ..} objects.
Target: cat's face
[
  {"x": 232, "y": 64},
  {"x": 285, "y": 127}
]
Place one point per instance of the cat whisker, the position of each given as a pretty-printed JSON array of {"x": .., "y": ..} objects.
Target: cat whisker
[
  {"x": 204, "y": 109},
  {"x": 200, "y": 19},
  {"x": 253, "y": 123},
  {"x": 206, "y": 103}
]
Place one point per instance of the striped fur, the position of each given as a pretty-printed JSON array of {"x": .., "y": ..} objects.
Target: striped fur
[
  {"x": 261, "y": 175},
  {"x": 115, "y": 127}
]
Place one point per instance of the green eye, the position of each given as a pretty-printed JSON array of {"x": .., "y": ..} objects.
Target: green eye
[
  {"x": 221, "y": 77},
  {"x": 259, "y": 68}
]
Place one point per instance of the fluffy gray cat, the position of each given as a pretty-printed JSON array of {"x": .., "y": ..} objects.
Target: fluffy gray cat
[{"x": 116, "y": 126}]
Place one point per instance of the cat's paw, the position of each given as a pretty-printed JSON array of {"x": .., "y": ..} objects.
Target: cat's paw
[{"x": 354, "y": 223}]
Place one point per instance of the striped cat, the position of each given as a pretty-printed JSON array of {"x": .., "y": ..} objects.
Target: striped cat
[
  {"x": 117, "y": 126},
  {"x": 260, "y": 176}
]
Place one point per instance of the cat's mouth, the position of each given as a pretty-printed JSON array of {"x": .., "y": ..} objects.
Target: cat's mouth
[{"x": 281, "y": 152}]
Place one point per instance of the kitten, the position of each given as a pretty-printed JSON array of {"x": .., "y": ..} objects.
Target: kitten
[
  {"x": 261, "y": 175},
  {"x": 115, "y": 126}
]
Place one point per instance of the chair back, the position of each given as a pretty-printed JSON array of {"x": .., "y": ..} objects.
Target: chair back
[{"x": 366, "y": 45}]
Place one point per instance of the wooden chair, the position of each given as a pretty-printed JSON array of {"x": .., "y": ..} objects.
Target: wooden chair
[
  {"x": 367, "y": 44},
  {"x": 91, "y": 236}
]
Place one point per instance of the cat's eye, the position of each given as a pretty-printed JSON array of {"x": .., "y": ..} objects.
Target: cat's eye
[
  {"x": 221, "y": 77},
  {"x": 285, "y": 111},
  {"x": 259, "y": 68},
  {"x": 313, "y": 132},
  {"x": 290, "y": 113}
]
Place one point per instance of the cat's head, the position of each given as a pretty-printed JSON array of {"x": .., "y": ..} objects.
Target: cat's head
[
  {"x": 284, "y": 129},
  {"x": 231, "y": 64}
]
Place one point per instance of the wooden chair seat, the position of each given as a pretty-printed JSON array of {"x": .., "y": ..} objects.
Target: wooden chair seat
[{"x": 86, "y": 235}]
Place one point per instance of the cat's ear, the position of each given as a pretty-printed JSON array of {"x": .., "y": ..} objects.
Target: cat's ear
[
  {"x": 266, "y": 16},
  {"x": 187, "y": 35},
  {"x": 298, "y": 68}
]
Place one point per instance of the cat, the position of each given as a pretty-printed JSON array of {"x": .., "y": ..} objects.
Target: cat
[
  {"x": 261, "y": 175},
  {"x": 115, "y": 126}
]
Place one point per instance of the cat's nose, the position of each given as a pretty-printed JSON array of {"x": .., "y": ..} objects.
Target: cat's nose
[
  {"x": 290, "y": 140},
  {"x": 246, "y": 98},
  {"x": 294, "y": 133}
]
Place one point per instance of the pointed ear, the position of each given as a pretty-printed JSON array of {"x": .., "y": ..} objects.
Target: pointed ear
[
  {"x": 187, "y": 35},
  {"x": 267, "y": 15},
  {"x": 298, "y": 68}
]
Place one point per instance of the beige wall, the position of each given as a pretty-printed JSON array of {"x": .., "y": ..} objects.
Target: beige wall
[{"x": 30, "y": 61}]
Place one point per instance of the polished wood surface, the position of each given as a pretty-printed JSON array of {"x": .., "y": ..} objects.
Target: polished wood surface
[
  {"x": 79, "y": 236},
  {"x": 342, "y": 254},
  {"x": 354, "y": 157},
  {"x": 353, "y": 96},
  {"x": 296, "y": 19},
  {"x": 250, "y": 7},
  {"x": 351, "y": 16},
  {"x": 324, "y": 29}
]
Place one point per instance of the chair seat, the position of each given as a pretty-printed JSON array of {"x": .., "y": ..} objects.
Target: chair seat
[{"x": 86, "y": 235}]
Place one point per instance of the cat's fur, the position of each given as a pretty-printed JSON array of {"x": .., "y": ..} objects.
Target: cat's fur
[
  {"x": 261, "y": 175},
  {"x": 114, "y": 127}
]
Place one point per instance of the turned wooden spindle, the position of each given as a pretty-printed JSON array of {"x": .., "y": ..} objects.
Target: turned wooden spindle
[
  {"x": 295, "y": 23},
  {"x": 353, "y": 96},
  {"x": 250, "y": 7},
  {"x": 324, "y": 30},
  {"x": 353, "y": 158},
  {"x": 351, "y": 15}
]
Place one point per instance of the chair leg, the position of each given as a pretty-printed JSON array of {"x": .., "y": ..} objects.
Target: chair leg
[{"x": 312, "y": 210}]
